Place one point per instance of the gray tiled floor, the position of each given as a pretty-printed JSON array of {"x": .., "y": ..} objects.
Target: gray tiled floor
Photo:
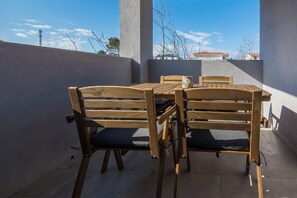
[{"x": 209, "y": 177}]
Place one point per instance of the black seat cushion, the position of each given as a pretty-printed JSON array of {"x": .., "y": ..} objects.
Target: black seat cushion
[
  {"x": 130, "y": 138},
  {"x": 218, "y": 139},
  {"x": 162, "y": 105}
]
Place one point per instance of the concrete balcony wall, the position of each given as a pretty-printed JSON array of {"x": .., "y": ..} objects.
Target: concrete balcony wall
[
  {"x": 278, "y": 50},
  {"x": 243, "y": 72},
  {"x": 35, "y": 137}
]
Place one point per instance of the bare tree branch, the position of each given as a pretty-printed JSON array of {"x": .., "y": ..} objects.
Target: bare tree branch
[
  {"x": 90, "y": 42},
  {"x": 72, "y": 41},
  {"x": 172, "y": 42},
  {"x": 101, "y": 41},
  {"x": 245, "y": 48}
]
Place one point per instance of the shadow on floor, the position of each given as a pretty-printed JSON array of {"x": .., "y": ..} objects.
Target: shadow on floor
[{"x": 210, "y": 177}]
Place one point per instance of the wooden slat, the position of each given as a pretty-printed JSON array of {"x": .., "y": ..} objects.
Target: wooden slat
[
  {"x": 241, "y": 126},
  {"x": 218, "y": 94},
  {"x": 117, "y": 123},
  {"x": 182, "y": 141},
  {"x": 255, "y": 131},
  {"x": 240, "y": 116},
  {"x": 222, "y": 105},
  {"x": 215, "y": 82},
  {"x": 215, "y": 78},
  {"x": 173, "y": 82},
  {"x": 168, "y": 92},
  {"x": 173, "y": 77},
  {"x": 74, "y": 99},
  {"x": 115, "y": 114},
  {"x": 139, "y": 104},
  {"x": 151, "y": 113},
  {"x": 110, "y": 92}
]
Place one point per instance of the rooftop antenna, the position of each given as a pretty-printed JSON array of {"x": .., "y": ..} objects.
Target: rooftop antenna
[{"x": 40, "y": 37}]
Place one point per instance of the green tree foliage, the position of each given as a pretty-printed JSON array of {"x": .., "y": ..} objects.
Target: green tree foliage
[
  {"x": 113, "y": 46},
  {"x": 102, "y": 52}
]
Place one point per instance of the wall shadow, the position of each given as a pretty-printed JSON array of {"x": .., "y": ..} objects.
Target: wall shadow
[
  {"x": 248, "y": 66},
  {"x": 285, "y": 126}
]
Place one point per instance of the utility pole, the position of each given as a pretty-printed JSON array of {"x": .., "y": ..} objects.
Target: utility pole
[{"x": 40, "y": 37}]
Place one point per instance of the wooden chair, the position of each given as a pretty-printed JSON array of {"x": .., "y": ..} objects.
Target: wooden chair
[
  {"x": 162, "y": 104},
  {"x": 215, "y": 80},
  {"x": 173, "y": 79},
  {"x": 128, "y": 117},
  {"x": 220, "y": 121}
]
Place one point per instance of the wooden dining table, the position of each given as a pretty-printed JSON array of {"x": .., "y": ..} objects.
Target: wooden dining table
[{"x": 166, "y": 91}]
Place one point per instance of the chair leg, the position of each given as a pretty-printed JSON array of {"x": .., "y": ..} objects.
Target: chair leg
[
  {"x": 176, "y": 184},
  {"x": 124, "y": 151},
  {"x": 188, "y": 161},
  {"x": 173, "y": 146},
  {"x": 160, "y": 173},
  {"x": 81, "y": 177},
  {"x": 105, "y": 161},
  {"x": 117, "y": 155},
  {"x": 265, "y": 123},
  {"x": 247, "y": 166},
  {"x": 259, "y": 179}
]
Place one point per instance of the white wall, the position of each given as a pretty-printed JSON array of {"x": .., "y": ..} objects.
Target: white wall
[
  {"x": 243, "y": 72},
  {"x": 278, "y": 49}
]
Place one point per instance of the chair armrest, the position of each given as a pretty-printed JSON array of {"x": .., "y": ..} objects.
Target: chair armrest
[
  {"x": 169, "y": 111},
  {"x": 70, "y": 118}
]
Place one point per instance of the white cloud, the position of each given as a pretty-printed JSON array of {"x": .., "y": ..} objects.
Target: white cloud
[
  {"x": 31, "y": 20},
  {"x": 81, "y": 31},
  {"x": 64, "y": 30},
  {"x": 38, "y": 26},
  {"x": 53, "y": 33},
  {"x": 18, "y": 30},
  {"x": 221, "y": 40},
  {"x": 202, "y": 40},
  {"x": 18, "y": 34},
  {"x": 24, "y": 33},
  {"x": 32, "y": 32},
  {"x": 63, "y": 43},
  {"x": 201, "y": 34},
  {"x": 197, "y": 37},
  {"x": 220, "y": 37},
  {"x": 217, "y": 33}
]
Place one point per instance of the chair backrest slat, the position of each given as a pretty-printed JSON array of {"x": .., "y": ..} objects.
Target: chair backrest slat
[
  {"x": 219, "y": 94},
  {"x": 90, "y": 103},
  {"x": 173, "y": 79},
  {"x": 215, "y": 80},
  {"x": 117, "y": 123},
  {"x": 111, "y": 92},
  {"x": 239, "y": 116},
  {"x": 221, "y": 105},
  {"x": 133, "y": 114}
]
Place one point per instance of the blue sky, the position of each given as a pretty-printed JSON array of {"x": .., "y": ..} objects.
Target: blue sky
[{"x": 214, "y": 25}]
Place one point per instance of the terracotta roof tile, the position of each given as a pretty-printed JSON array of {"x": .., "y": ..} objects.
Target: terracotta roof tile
[
  {"x": 254, "y": 54},
  {"x": 211, "y": 53}
]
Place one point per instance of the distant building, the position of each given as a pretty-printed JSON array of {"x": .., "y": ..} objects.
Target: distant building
[
  {"x": 167, "y": 57},
  {"x": 209, "y": 56},
  {"x": 253, "y": 56}
]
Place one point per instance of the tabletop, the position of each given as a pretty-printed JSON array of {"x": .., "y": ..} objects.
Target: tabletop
[{"x": 167, "y": 90}]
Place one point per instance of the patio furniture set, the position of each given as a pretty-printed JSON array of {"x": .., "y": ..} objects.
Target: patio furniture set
[{"x": 213, "y": 116}]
